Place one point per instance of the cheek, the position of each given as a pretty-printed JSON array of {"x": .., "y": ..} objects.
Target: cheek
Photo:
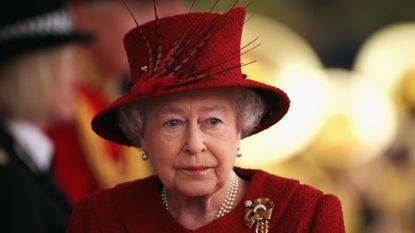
[
  {"x": 63, "y": 92},
  {"x": 162, "y": 152},
  {"x": 224, "y": 149},
  {"x": 225, "y": 156},
  {"x": 163, "y": 161},
  {"x": 229, "y": 135}
]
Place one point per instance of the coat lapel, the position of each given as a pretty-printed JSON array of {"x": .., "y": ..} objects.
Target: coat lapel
[
  {"x": 138, "y": 204},
  {"x": 264, "y": 185},
  {"x": 16, "y": 153},
  {"x": 139, "y": 207}
]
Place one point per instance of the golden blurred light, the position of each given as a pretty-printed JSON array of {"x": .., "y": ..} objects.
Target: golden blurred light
[
  {"x": 388, "y": 55},
  {"x": 362, "y": 122},
  {"x": 286, "y": 61},
  {"x": 404, "y": 94}
]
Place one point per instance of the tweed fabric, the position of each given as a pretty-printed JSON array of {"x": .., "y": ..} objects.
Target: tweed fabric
[{"x": 137, "y": 207}]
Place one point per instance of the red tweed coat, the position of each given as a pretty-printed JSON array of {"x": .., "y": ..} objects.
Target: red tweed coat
[{"x": 136, "y": 207}]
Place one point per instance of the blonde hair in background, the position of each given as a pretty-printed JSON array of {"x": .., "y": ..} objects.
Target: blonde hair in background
[{"x": 26, "y": 83}]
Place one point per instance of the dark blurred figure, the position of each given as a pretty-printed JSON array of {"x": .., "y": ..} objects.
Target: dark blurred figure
[
  {"x": 37, "y": 87},
  {"x": 84, "y": 162}
]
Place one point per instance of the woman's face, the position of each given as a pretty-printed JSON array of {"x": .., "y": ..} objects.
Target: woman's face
[
  {"x": 64, "y": 86},
  {"x": 191, "y": 140}
]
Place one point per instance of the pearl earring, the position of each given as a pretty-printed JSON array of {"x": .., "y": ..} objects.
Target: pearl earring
[
  {"x": 144, "y": 156},
  {"x": 238, "y": 153}
]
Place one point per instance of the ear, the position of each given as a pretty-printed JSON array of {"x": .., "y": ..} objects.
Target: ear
[
  {"x": 238, "y": 136},
  {"x": 142, "y": 141},
  {"x": 238, "y": 131}
]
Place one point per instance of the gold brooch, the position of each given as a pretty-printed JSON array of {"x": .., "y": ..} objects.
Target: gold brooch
[{"x": 258, "y": 213}]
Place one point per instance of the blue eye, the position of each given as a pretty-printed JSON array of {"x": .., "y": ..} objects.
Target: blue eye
[
  {"x": 172, "y": 123},
  {"x": 214, "y": 121}
]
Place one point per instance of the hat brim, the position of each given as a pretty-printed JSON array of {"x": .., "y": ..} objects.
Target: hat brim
[
  {"x": 105, "y": 122},
  {"x": 20, "y": 46}
]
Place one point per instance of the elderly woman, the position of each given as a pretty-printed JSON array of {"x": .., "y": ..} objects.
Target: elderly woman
[
  {"x": 188, "y": 108},
  {"x": 37, "y": 85}
]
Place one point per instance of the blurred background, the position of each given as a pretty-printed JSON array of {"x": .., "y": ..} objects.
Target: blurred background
[
  {"x": 347, "y": 65},
  {"x": 349, "y": 68}
]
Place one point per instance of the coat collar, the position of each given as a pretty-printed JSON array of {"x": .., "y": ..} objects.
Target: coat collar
[
  {"x": 18, "y": 158},
  {"x": 38, "y": 146},
  {"x": 139, "y": 204},
  {"x": 15, "y": 151}
]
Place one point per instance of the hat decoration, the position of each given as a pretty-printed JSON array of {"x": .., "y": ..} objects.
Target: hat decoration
[
  {"x": 172, "y": 68},
  {"x": 187, "y": 52}
]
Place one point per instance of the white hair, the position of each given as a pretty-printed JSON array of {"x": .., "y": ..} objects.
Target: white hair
[{"x": 249, "y": 107}]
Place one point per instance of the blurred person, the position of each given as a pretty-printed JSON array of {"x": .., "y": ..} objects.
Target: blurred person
[
  {"x": 85, "y": 163},
  {"x": 188, "y": 108},
  {"x": 37, "y": 88},
  {"x": 395, "y": 169},
  {"x": 105, "y": 59}
]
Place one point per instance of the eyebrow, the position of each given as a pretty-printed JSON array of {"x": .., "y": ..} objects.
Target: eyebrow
[
  {"x": 213, "y": 108},
  {"x": 174, "y": 109}
]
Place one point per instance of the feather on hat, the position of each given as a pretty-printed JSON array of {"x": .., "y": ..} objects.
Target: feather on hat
[{"x": 187, "y": 52}]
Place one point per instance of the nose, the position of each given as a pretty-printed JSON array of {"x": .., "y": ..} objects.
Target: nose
[{"x": 194, "y": 141}]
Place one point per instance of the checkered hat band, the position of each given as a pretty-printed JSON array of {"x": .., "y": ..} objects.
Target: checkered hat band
[{"x": 53, "y": 23}]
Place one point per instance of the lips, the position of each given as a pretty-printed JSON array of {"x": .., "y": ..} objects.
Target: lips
[{"x": 196, "y": 170}]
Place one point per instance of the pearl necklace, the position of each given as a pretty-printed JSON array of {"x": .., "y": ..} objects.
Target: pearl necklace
[{"x": 227, "y": 203}]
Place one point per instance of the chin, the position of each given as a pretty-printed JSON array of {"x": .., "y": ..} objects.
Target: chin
[{"x": 197, "y": 189}]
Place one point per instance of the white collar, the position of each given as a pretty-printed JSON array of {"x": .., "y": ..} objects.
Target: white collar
[{"x": 38, "y": 146}]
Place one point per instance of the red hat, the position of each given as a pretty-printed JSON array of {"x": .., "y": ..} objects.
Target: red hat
[{"x": 183, "y": 53}]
